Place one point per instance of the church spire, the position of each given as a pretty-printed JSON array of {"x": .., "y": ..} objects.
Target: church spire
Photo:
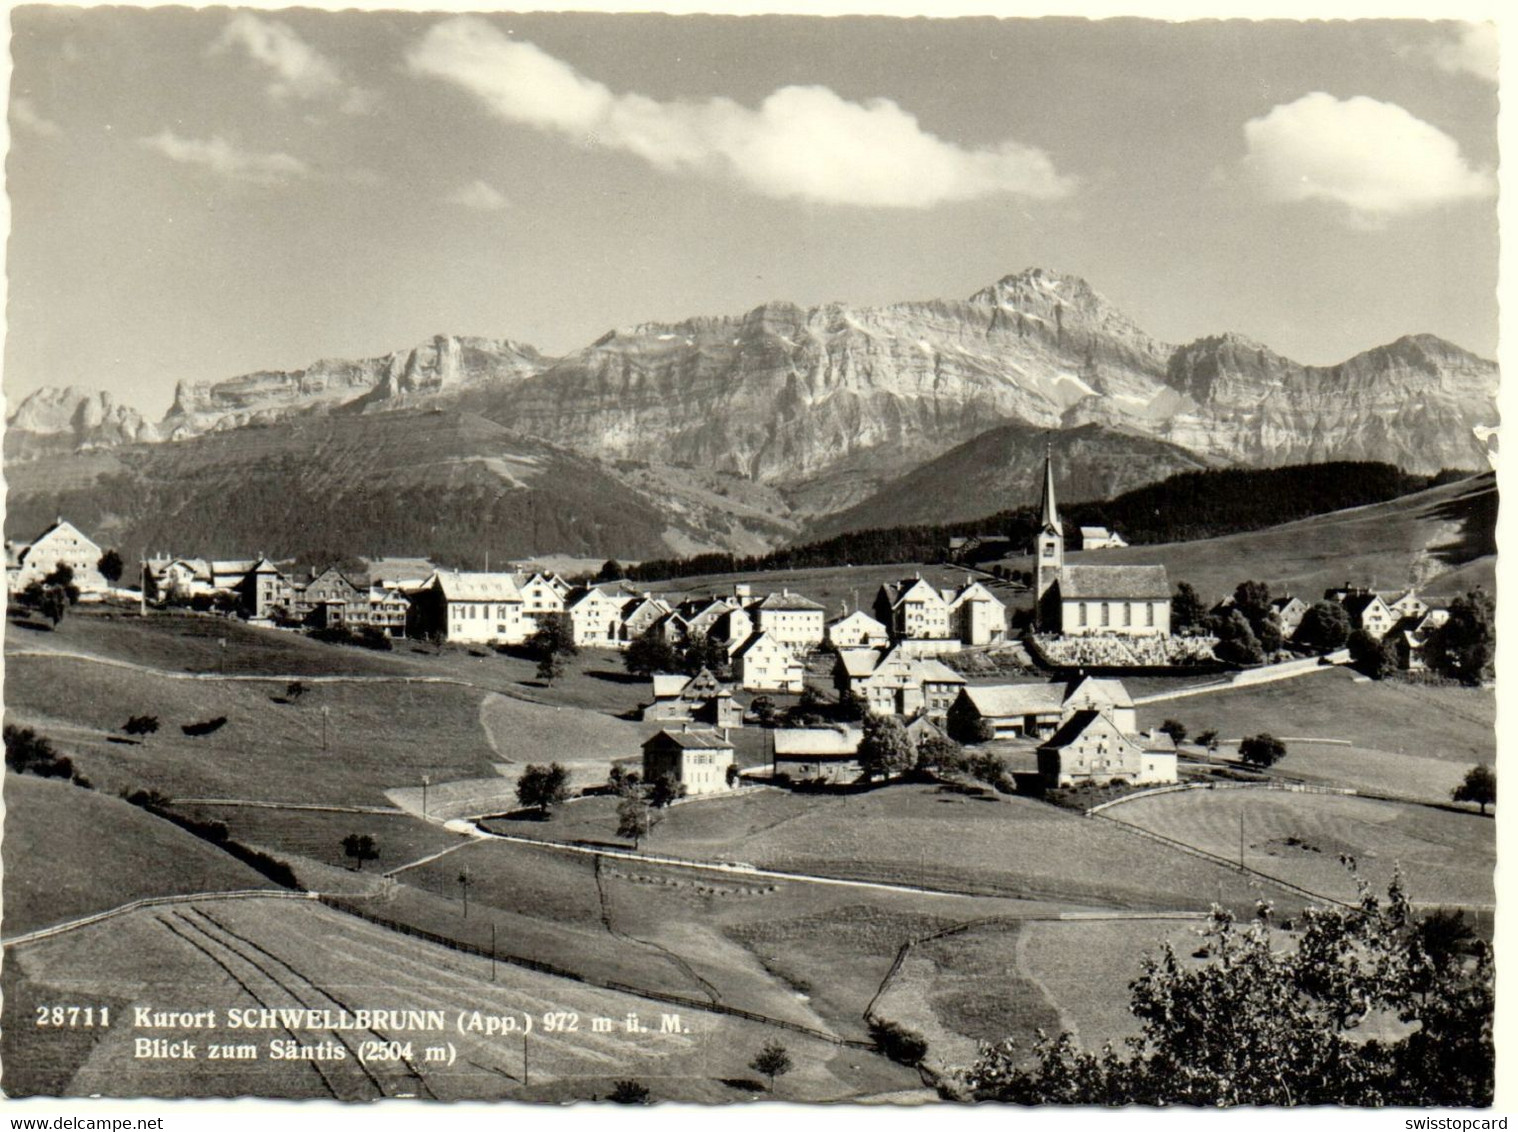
[{"x": 1049, "y": 519}]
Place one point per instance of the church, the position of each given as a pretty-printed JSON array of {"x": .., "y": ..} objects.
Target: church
[{"x": 1081, "y": 601}]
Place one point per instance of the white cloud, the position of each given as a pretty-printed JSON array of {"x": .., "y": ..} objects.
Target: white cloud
[
  {"x": 300, "y": 71},
  {"x": 224, "y": 159},
  {"x": 1473, "y": 52},
  {"x": 24, "y": 114},
  {"x": 478, "y": 195},
  {"x": 1373, "y": 158},
  {"x": 803, "y": 142}
]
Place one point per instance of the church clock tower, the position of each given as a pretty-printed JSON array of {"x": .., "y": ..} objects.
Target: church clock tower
[{"x": 1048, "y": 555}]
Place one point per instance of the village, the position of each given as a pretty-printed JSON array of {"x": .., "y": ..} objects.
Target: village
[{"x": 918, "y": 656}]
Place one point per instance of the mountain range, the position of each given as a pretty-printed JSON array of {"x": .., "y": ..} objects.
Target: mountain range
[{"x": 742, "y": 432}]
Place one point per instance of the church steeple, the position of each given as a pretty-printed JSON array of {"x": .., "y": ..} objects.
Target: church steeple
[
  {"x": 1048, "y": 554},
  {"x": 1049, "y": 519}
]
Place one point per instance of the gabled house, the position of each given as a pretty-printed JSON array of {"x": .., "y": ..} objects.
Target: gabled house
[
  {"x": 895, "y": 683},
  {"x": 790, "y": 618},
  {"x": 731, "y": 629},
  {"x": 976, "y": 616},
  {"x": 1100, "y": 538},
  {"x": 913, "y": 610},
  {"x": 1290, "y": 610},
  {"x": 857, "y": 630},
  {"x": 1410, "y": 636},
  {"x": 181, "y": 579},
  {"x": 764, "y": 664},
  {"x": 331, "y": 591},
  {"x": 698, "y": 760},
  {"x": 61, "y": 544},
  {"x": 595, "y": 612},
  {"x": 1011, "y": 710},
  {"x": 1090, "y": 749},
  {"x": 1091, "y": 693},
  {"x": 701, "y": 698},
  {"x": 818, "y": 754},
  {"x": 473, "y": 608},
  {"x": 388, "y": 610},
  {"x": 1368, "y": 612},
  {"x": 639, "y": 614},
  {"x": 227, "y": 574},
  {"x": 1407, "y": 604},
  {"x": 264, "y": 591},
  {"x": 702, "y": 613},
  {"x": 542, "y": 597}
]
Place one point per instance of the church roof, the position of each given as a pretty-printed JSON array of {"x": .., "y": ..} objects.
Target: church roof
[{"x": 1132, "y": 583}]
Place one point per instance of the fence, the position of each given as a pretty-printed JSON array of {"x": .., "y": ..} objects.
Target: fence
[
  {"x": 546, "y": 968},
  {"x": 155, "y": 902}
]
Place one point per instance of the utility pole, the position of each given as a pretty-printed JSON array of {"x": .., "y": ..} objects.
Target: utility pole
[
  {"x": 524, "y": 1059},
  {"x": 1241, "y": 837},
  {"x": 426, "y": 782},
  {"x": 492, "y": 951},
  {"x": 325, "y": 711},
  {"x": 142, "y": 587}
]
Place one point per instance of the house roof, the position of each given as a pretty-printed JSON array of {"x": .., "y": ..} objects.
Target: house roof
[
  {"x": 1074, "y": 727},
  {"x": 817, "y": 742},
  {"x": 701, "y": 739},
  {"x": 1100, "y": 689},
  {"x": 859, "y": 662},
  {"x": 787, "y": 601},
  {"x": 857, "y": 615},
  {"x": 226, "y": 566},
  {"x": 932, "y": 671},
  {"x": 458, "y": 586},
  {"x": 992, "y": 700},
  {"x": 669, "y": 684},
  {"x": 754, "y": 641},
  {"x": 922, "y": 727},
  {"x": 975, "y": 591},
  {"x": 1357, "y": 603},
  {"x": 1132, "y": 583},
  {"x": 1279, "y": 603},
  {"x": 1095, "y": 532}
]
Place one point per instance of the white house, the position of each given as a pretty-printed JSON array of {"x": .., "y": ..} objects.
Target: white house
[
  {"x": 1090, "y": 748},
  {"x": 596, "y": 615},
  {"x": 765, "y": 664},
  {"x": 857, "y": 630},
  {"x": 977, "y": 616},
  {"x": 61, "y": 544},
  {"x": 1100, "y": 538},
  {"x": 473, "y": 608},
  {"x": 790, "y": 618}
]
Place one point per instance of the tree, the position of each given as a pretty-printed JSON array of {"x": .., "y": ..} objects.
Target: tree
[
  {"x": 992, "y": 770},
  {"x": 852, "y": 707},
  {"x": 1269, "y": 632},
  {"x": 648, "y": 653},
  {"x": 294, "y": 690},
  {"x": 1175, "y": 729},
  {"x": 1324, "y": 627},
  {"x": 630, "y": 1092},
  {"x": 1262, "y": 750},
  {"x": 1479, "y": 786},
  {"x": 772, "y": 1061},
  {"x": 899, "y": 1043},
  {"x": 1263, "y": 1024},
  {"x": 763, "y": 708},
  {"x": 1186, "y": 608},
  {"x": 703, "y": 651},
  {"x": 623, "y": 782},
  {"x": 1464, "y": 646},
  {"x": 1208, "y": 739},
  {"x": 360, "y": 847},
  {"x": 664, "y": 790},
  {"x": 885, "y": 748},
  {"x": 940, "y": 753},
  {"x": 53, "y": 604},
  {"x": 141, "y": 725},
  {"x": 611, "y": 571},
  {"x": 1374, "y": 656},
  {"x": 543, "y": 787},
  {"x": 636, "y": 819},
  {"x": 1252, "y": 599},
  {"x": 62, "y": 576},
  {"x": 552, "y": 645},
  {"x": 26, "y": 752},
  {"x": 110, "y": 566},
  {"x": 1237, "y": 643}
]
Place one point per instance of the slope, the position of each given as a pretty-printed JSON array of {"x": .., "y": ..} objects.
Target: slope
[
  {"x": 1002, "y": 467},
  {"x": 1443, "y": 540}
]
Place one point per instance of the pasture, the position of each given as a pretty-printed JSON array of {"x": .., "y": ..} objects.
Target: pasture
[
  {"x": 1444, "y": 857},
  {"x": 294, "y": 953},
  {"x": 71, "y": 852},
  {"x": 920, "y": 835}
]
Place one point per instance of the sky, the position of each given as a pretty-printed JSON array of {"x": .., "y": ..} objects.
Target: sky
[{"x": 197, "y": 194}]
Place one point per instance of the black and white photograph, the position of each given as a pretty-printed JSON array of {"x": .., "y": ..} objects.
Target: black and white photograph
[{"x": 641, "y": 557}]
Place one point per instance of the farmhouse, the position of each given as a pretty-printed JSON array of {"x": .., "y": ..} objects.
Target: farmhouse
[
  {"x": 62, "y": 544},
  {"x": 596, "y": 615},
  {"x": 857, "y": 630},
  {"x": 1010, "y": 710},
  {"x": 542, "y": 597},
  {"x": 1368, "y": 612},
  {"x": 472, "y": 608},
  {"x": 640, "y": 614},
  {"x": 913, "y": 610},
  {"x": 895, "y": 683},
  {"x": 764, "y": 664},
  {"x": 1408, "y": 604},
  {"x": 1106, "y": 696},
  {"x": 701, "y": 698},
  {"x": 1129, "y": 601},
  {"x": 977, "y": 617},
  {"x": 1289, "y": 610},
  {"x": 1410, "y": 636},
  {"x": 811, "y": 754},
  {"x": 697, "y": 760},
  {"x": 1100, "y": 538},
  {"x": 1090, "y": 748},
  {"x": 264, "y": 590}
]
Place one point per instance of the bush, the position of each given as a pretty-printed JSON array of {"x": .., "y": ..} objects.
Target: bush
[
  {"x": 899, "y": 1043},
  {"x": 204, "y": 727},
  {"x": 1262, "y": 750}
]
